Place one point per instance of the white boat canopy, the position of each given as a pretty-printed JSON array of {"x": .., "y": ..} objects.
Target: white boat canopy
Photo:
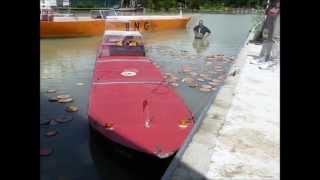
[{"x": 123, "y": 33}]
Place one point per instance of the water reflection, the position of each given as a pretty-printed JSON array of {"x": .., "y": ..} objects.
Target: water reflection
[
  {"x": 200, "y": 45},
  {"x": 112, "y": 160}
]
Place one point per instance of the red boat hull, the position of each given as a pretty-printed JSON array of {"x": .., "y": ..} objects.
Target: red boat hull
[{"x": 138, "y": 110}]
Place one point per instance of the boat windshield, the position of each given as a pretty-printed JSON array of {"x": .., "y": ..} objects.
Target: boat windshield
[
  {"x": 123, "y": 40},
  {"x": 125, "y": 50}
]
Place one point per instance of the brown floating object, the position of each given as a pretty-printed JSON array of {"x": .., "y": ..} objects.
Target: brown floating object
[
  {"x": 205, "y": 89},
  {"x": 64, "y": 119},
  {"x": 65, "y": 96},
  {"x": 192, "y": 85},
  {"x": 53, "y": 99},
  {"x": 44, "y": 122},
  {"x": 174, "y": 78},
  {"x": 186, "y": 69},
  {"x": 174, "y": 84},
  {"x": 53, "y": 123},
  {"x": 193, "y": 73},
  {"x": 65, "y": 100},
  {"x": 187, "y": 80},
  {"x": 214, "y": 83},
  {"x": 51, "y": 132},
  {"x": 72, "y": 108},
  {"x": 51, "y": 91},
  {"x": 205, "y": 86},
  {"x": 45, "y": 151},
  {"x": 200, "y": 79}
]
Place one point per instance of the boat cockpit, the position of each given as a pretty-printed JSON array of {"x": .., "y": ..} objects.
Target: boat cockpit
[{"x": 121, "y": 43}]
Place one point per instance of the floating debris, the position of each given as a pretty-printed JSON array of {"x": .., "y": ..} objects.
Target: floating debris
[
  {"x": 65, "y": 96},
  {"x": 216, "y": 81},
  {"x": 205, "y": 86},
  {"x": 200, "y": 79},
  {"x": 65, "y": 100},
  {"x": 72, "y": 108},
  {"x": 174, "y": 84},
  {"x": 193, "y": 73},
  {"x": 53, "y": 99},
  {"x": 205, "y": 89},
  {"x": 174, "y": 78},
  {"x": 44, "y": 122},
  {"x": 192, "y": 85},
  {"x": 168, "y": 74},
  {"x": 188, "y": 80},
  {"x": 64, "y": 119},
  {"x": 214, "y": 84},
  {"x": 51, "y": 91},
  {"x": 80, "y": 84},
  {"x": 53, "y": 122},
  {"x": 51, "y": 132},
  {"x": 186, "y": 69},
  {"x": 46, "y": 151},
  {"x": 211, "y": 56}
]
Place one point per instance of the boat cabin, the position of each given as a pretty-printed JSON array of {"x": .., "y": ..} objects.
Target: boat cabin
[
  {"x": 102, "y": 14},
  {"x": 121, "y": 43}
]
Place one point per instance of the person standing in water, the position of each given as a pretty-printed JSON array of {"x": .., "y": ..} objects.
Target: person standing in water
[{"x": 201, "y": 31}]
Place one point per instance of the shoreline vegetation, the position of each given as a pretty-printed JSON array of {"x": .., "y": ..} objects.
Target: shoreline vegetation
[
  {"x": 187, "y": 10},
  {"x": 171, "y": 6}
]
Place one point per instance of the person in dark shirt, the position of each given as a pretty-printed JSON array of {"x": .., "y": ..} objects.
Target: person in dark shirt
[{"x": 201, "y": 31}]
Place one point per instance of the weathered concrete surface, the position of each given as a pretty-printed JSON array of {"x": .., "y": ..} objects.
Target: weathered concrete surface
[
  {"x": 247, "y": 146},
  {"x": 239, "y": 137}
]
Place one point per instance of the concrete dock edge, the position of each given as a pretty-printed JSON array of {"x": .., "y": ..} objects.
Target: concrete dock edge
[{"x": 216, "y": 109}]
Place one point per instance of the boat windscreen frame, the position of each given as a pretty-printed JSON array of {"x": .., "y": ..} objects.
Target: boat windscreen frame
[{"x": 107, "y": 50}]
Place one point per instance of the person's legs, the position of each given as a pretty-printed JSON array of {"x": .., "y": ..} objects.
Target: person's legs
[
  {"x": 264, "y": 54},
  {"x": 268, "y": 60}
]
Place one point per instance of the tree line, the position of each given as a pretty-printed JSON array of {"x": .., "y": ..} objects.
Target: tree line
[{"x": 169, "y": 4}]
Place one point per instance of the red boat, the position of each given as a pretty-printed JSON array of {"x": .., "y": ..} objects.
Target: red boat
[{"x": 130, "y": 102}]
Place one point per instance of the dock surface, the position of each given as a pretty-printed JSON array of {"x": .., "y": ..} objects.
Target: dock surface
[{"x": 239, "y": 138}]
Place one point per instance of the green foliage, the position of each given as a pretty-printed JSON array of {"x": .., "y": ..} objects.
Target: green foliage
[{"x": 167, "y": 4}]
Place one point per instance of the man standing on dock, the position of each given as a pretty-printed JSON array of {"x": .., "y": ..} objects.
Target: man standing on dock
[
  {"x": 201, "y": 31},
  {"x": 271, "y": 35}
]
